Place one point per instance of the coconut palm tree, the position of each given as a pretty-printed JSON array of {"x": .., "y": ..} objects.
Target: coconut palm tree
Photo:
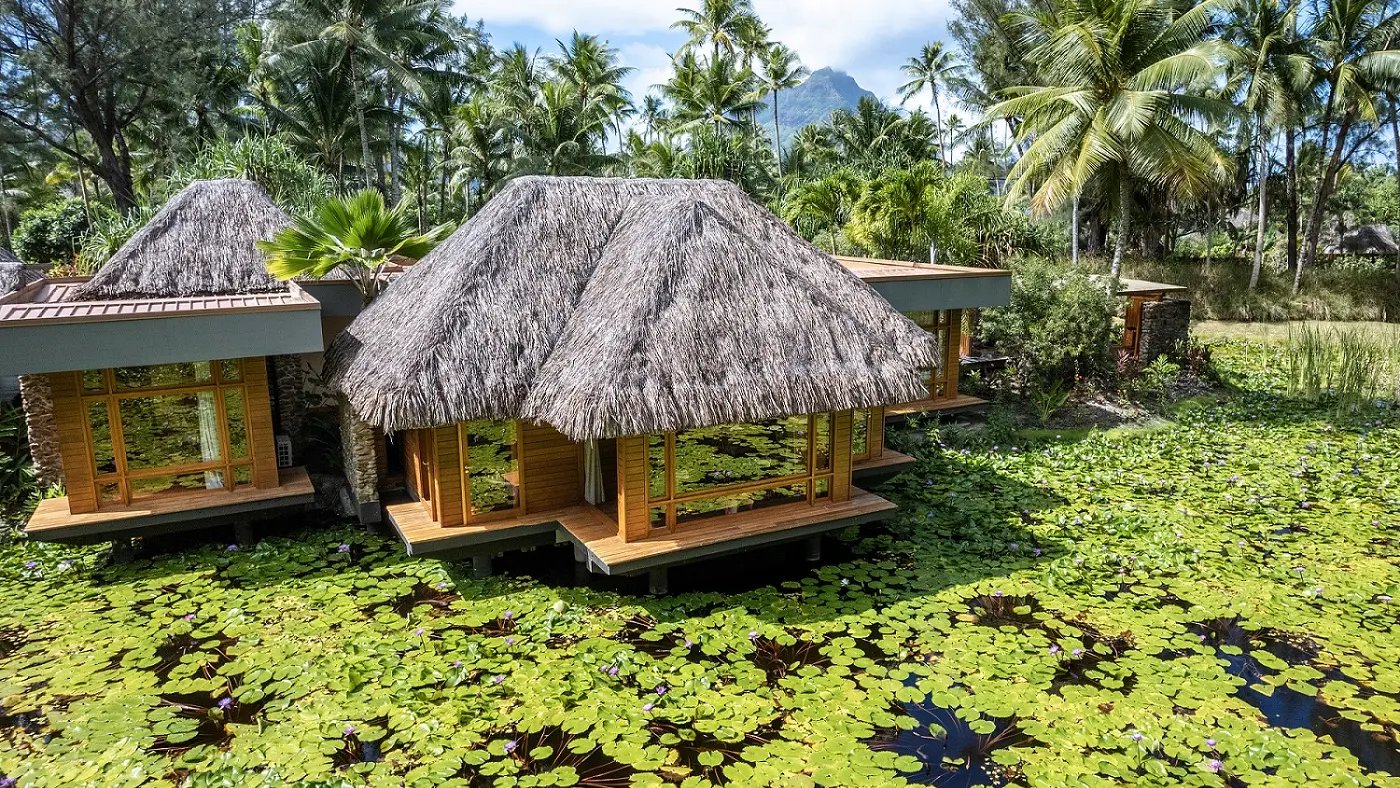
[
  {"x": 933, "y": 68},
  {"x": 591, "y": 69},
  {"x": 481, "y": 150},
  {"x": 654, "y": 115},
  {"x": 1270, "y": 66},
  {"x": 1122, "y": 101},
  {"x": 720, "y": 24},
  {"x": 823, "y": 206},
  {"x": 781, "y": 71},
  {"x": 713, "y": 92},
  {"x": 1357, "y": 61},
  {"x": 358, "y": 235}
]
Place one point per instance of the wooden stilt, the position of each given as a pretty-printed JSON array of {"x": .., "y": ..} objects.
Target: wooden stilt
[
  {"x": 658, "y": 581},
  {"x": 812, "y": 548},
  {"x": 481, "y": 566}
]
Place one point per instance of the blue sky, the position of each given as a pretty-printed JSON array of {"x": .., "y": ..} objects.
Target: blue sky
[{"x": 868, "y": 39}]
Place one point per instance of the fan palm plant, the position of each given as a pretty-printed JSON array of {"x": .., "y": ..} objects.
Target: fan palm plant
[
  {"x": 933, "y": 68},
  {"x": 1122, "y": 99},
  {"x": 781, "y": 71},
  {"x": 359, "y": 236},
  {"x": 1270, "y": 68}
]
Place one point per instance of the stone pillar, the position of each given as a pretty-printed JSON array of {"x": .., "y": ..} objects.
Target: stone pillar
[
  {"x": 1166, "y": 328},
  {"x": 43, "y": 430},
  {"x": 360, "y": 451},
  {"x": 290, "y": 394}
]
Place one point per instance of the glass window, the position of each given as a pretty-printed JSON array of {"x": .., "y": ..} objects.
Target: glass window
[
  {"x": 152, "y": 486},
  {"x": 94, "y": 380},
  {"x": 821, "y": 441},
  {"x": 860, "y": 433},
  {"x": 103, "y": 457},
  {"x": 190, "y": 373},
  {"x": 237, "y": 424},
  {"x": 656, "y": 466},
  {"x": 735, "y": 503},
  {"x": 178, "y": 429},
  {"x": 492, "y": 466},
  {"x": 735, "y": 454},
  {"x": 230, "y": 371}
]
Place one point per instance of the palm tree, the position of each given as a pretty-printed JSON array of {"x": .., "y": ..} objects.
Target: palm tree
[
  {"x": 718, "y": 23},
  {"x": 481, "y": 150},
  {"x": 358, "y": 235},
  {"x": 654, "y": 114},
  {"x": 590, "y": 67},
  {"x": 714, "y": 92},
  {"x": 823, "y": 206},
  {"x": 1271, "y": 67},
  {"x": 1357, "y": 61},
  {"x": 1121, "y": 101},
  {"x": 781, "y": 71},
  {"x": 932, "y": 68}
]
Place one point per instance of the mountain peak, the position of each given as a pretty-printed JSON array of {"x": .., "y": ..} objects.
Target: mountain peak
[{"x": 824, "y": 92}]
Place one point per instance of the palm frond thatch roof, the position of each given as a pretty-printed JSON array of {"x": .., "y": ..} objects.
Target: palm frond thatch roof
[
  {"x": 6, "y": 256},
  {"x": 202, "y": 242},
  {"x": 613, "y": 307},
  {"x": 1370, "y": 239}
]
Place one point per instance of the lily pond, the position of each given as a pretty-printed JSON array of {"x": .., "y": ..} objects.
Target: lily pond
[{"x": 1209, "y": 602}]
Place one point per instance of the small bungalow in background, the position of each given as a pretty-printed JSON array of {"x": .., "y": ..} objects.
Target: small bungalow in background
[
  {"x": 655, "y": 371},
  {"x": 1157, "y": 320},
  {"x": 155, "y": 390},
  {"x": 1370, "y": 240},
  {"x": 13, "y": 276}
]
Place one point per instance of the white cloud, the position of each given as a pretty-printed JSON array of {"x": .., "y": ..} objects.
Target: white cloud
[
  {"x": 558, "y": 17},
  {"x": 652, "y": 64}
]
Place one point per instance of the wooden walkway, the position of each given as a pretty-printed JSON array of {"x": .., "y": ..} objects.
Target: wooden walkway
[
  {"x": 594, "y": 534},
  {"x": 959, "y": 403},
  {"x": 52, "y": 522}
]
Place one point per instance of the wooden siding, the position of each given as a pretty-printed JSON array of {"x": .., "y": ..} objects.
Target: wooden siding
[
  {"x": 262, "y": 439},
  {"x": 841, "y": 456},
  {"x": 633, "y": 516},
  {"x": 74, "y": 445},
  {"x": 875, "y": 433},
  {"x": 551, "y": 469},
  {"x": 447, "y": 477}
]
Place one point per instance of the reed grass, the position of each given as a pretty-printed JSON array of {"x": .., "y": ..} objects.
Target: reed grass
[{"x": 1351, "y": 366}]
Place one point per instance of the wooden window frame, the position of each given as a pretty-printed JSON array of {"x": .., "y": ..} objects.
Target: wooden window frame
[
  {"x": 111, "y": 396},
  {"x": 810, "y": 478}
]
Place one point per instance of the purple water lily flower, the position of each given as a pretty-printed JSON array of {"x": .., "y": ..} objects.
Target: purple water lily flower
[
  {"x": 418, "y": 632},
  {"x": 345, "y": 548},
  {"x": 1036, "y": 552},
  {"x": 1054, "y": 649},
  {"x": 647, "y": 707},
  {"x": 349, "y": 730},
  {"x": 510, "y": 641},
  {"x": 225, "y": 703},
  {"x": 753, "y": 634},
  {"x": 457, "y": 664},
  {"x": 1137, "y": 736},
  {"x": 189, "y": 616},
  {"x": 661, "y": 690},
  {"x": 1215, "y": 765},
  {"x": 30, "y": 564},
  {"x": 689, "y": 643},
  {"x": 233, "y": 548},
  {"x": 498, "y": 680},
  {"x": 1078, "y": 652},
  {"x": 612, "y": 671},
  {"x": 1210, "y": 743},
  {"x": 510, "y": 746},
  {"x": 998, "y": 594},
  {"x": 508, "y": 615},
  {"x": 8, "y": 782}
]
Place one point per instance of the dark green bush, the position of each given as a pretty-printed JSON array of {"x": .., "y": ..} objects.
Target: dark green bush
[
  {"x": 52, "y": 234},
  {"x": 1059, "y": 322}
]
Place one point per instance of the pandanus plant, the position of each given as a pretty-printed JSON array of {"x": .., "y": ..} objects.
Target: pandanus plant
[{"x": 359, "y": 235}]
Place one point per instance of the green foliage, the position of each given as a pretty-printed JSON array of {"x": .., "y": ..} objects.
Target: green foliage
[
  {"x": 1059, "y": 322},
  {"x": 1154, "y": 382},
  {"x": 1119, "y": 608},
  {"x": 357, "y": 235},
  {"x": 52, "y": 234},
  {"x": 272, "y": 162},
  {"x": 1351, "y": 367},
  {"x": 18, "y": 488},
  {"x": 1049, "y": 397}
]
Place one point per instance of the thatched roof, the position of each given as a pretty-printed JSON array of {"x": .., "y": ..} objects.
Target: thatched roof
[
  {"x": 6, "y": 256},
  {"x": 202, "y": 242},
  {"x": 613, "y": 307}
]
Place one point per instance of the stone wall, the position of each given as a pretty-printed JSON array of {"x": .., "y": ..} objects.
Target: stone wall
[
  {"x": 1166, "y": 328},
  {"x": 43, "y": 430},
  {"x": 290, "y": 396},
  {"x": 361, "y": 450}
]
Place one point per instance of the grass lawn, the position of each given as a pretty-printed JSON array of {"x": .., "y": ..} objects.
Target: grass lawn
[
  {"x": 1214, "y": 330},
  {"x": 1210, "y": 603}
]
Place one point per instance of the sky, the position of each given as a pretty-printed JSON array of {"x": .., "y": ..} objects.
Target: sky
[{"x": 868, "y": 39}]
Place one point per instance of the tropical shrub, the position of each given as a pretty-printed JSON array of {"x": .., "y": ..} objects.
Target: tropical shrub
[
  {"x": 286, "y": 175},
  {"x": 18, "y": 489},
  {"x": 53, "y": 234},
  {"x": 1059, "y": 322}
]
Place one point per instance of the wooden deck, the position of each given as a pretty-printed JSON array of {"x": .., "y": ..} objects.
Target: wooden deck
[
  {"x": 52, "y": 522},
  {"x": 595, "y": 534},
  {"x": 889, "y": 462},
  {"x": 954, "y": 405}
]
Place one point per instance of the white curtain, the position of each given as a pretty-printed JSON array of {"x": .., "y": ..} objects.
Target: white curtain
[
  {"x": 209, "y": 448},
  {"x": 593, "y": 490}
]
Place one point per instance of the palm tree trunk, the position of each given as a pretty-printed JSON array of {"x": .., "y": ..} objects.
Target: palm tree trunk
[
  {"x": 938, "y": 125},
  {"x": 1074, "y": 231},
  {"x": 4, "y": 211},
  {"x": 442, "y": 188},
  {"x": 1320, "y": 195},
  {"x": 777, "y": 139},
  {"x": 1395, "y": 135},
  {"x": 1290, "y": 165},
  {"x": 1125, "y": 199},
  {"x": 395, "y": 176},
  {"x": 355, "y": 87},
  {"x": 1263, "y": 205}
]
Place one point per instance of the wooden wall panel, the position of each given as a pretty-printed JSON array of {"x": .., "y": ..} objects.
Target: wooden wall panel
[
  {"x": 875, "y": 437},
  {"x": 841, "y": 456},
  {"x": 551, "y": 468},
  {"x": 261, "y": 436},
  {"x": 632, "y": 505},
  {"x": 73, "y": 441},
  {"x": 447, "y": 486}
]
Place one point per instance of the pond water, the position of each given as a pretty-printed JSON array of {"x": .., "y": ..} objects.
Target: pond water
[{"x": 954, "y": 756}]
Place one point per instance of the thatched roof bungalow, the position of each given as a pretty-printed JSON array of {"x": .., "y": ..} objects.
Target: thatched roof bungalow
[
  {"x": 609, "y": 307},
  {"x": 622, "y": 330}
]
